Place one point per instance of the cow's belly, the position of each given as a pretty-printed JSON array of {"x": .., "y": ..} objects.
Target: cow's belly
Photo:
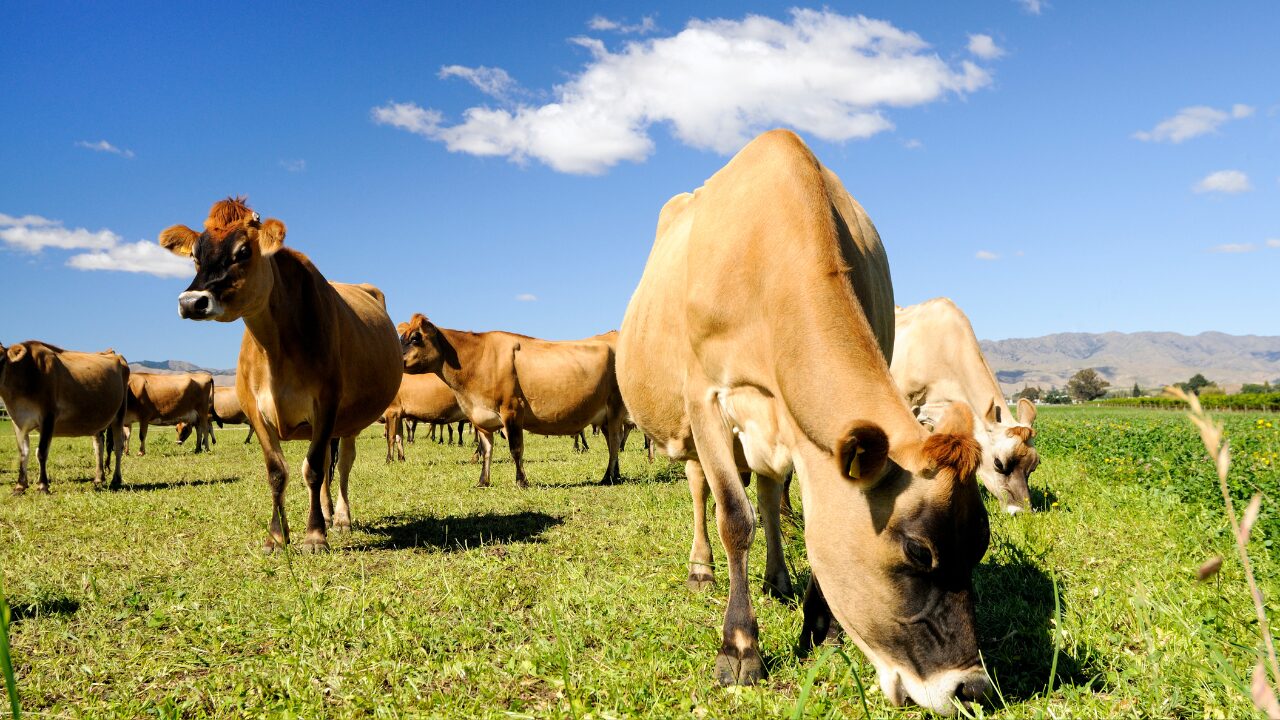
[
  {"x": 25, "y": 415},
  {"x": 480, "y": 414},
  {"x": 761, "y": 427}
]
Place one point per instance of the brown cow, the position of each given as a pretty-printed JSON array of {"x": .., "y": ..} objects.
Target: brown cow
[
  {"x": 169, "y": 399},
  {"x": 424, "y": 398},
  {"x": 62, "y": 393},
  {"x": 226, "y": 409},
  {"x": 514, "y": 383},
  {"x": 318, "y": 360},
  {"x": 752, "y": 343}
]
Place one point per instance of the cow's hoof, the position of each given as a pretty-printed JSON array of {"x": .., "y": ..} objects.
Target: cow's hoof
[
  {"x": 272, "y": 546},
  {"x": 115, "y": 485},
  {"x": 610, "y": 480},
  {"x": 342, "y": 524},
  {"x": 701, "y": 582},
  {"x": 780, "y": 591},
  {"x": 746, "y": 668},
  {"x": 43, "y": 489},
  {"x": 19, "y": 490},
  {"x": 311, "y": 546}
]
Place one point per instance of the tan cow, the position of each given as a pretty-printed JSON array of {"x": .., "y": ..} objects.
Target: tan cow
[
  {"x": 752, "y": 343},
  {"x": 936, "y": 361},
  {"x": 169, "y": 399},
  {"x": 226, "y": 409},
  {"x": 319, "y": 361},
  {"x": 424, "y": 398},
  {"x": 63, "y": 393},
  {"x": 514, "y": 383}
]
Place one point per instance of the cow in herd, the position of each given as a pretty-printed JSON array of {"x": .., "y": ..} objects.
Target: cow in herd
[{"x": 763, "y": 338}]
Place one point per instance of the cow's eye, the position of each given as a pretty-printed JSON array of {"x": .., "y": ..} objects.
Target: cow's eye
[
  {"x": 918, "y": 553},
  {"x": 242, "y": 253},
  {"x": 1000, "y": 467}
]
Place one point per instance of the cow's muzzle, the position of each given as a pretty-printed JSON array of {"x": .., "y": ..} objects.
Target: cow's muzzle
[{"x": 198, "y": 305}]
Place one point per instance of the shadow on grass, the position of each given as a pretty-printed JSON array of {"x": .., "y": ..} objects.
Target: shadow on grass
[
  {"x": 1015, "y": 608},
  {"x": 457, "y": 533},
  {"x": 147, "y": 486},
  {"x": 42, "y": 608},
  {"x": 1043, "y": 500}
]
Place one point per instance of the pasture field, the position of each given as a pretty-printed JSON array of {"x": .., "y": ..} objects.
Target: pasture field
[{"x": 568, "y": 599}]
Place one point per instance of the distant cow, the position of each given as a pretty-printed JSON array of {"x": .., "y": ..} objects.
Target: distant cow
[
  {"x": 169, "y": 399},
  {"x": 318, "y": 360},
  {"x": 753, "y": 343},
  {"x": 424, "y": 398},
  {"x": 226, "y": 409},
  {"x": 512, "y": 383},
  {"x": 62, "y": 393},
  {"x": 936, "y": 361}
]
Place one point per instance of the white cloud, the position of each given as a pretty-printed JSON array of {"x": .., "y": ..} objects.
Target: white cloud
[
  {"x": 1224, "y": 181},
  {"x": 1234, "y": 248},
  {"x": 107, "y": 251},
  {"x": 104, "y": 146},
  {"x": 604, "y": 24},
  {"x": 986, "y": 255},
  {"x": 716, "y": 83},
  {"x": 1190, "y": 122},
  {"x": 984, "y": 47},
  {"x": 294, "y": 166},
  {"x": 140, "y": 257},
  {"x": 1273, "y": 242},
  {"x": 913, "y": 144},
  {"x": 526, "y": 297},
  {"x": 1035, "y": 7},
  {"x": 494, "y": 82}
]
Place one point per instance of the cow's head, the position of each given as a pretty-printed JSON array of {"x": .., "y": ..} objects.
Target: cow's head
[
  {"x": 1010, "y": 455},
  {"x": 233, "y": 268},
  {"x": 15, "y": 366},
  {"x": 894, "y": 535},
  {"x": 421, "y": 345}
]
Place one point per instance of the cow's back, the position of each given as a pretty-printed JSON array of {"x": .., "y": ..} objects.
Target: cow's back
[
  {"x": 937, "y": 359},
  {"x": 227, "y": 406}
]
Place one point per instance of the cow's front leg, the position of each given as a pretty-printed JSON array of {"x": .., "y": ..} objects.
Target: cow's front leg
[
  {"x": 315, "y": 468},
  {"x": 42, "y": 454},
  {"x": 326, "y": 494},
  {"x": 777, "y": 579},
  {"x": 739, "y": 661},
  {"x": 24, "y": 450},
  {"x": 277, "y": 481},
  {"x": 701, "y": 563},
  {"x": 346, "y": 458},
  {"x": 99, "y": 439}
]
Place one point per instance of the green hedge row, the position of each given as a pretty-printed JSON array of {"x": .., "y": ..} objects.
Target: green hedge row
[{"x": 1266, "y": 402}]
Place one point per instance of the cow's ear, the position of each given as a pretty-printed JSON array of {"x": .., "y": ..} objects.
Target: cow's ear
[
  {"x": 270, "y": 236},
  {"x": 16, "y": 353},
  {"x": 862, "y": 452},
  {"x": 179, "y": 240},
  {"x": 1026, "y": 411}
]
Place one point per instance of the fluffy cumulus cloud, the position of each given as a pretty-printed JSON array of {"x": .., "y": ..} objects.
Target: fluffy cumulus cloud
[
  {"x": 106, "y": 147},
  {"x": 984, "y": 47},
  {"x": 1190, "y": 122},
  {"x": 600, "y": 23},
  {"x": 1224, "y": 181},
  {"x": 106, "y": 250},
  {"x": 986, "y": 255},
  {"x": 716, "y": 84}
]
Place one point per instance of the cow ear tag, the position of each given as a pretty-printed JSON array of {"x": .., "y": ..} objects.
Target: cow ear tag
[{"x": 855, "y": 465}]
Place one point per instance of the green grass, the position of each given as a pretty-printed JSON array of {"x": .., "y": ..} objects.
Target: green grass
[{"x": 568, "y": 599}]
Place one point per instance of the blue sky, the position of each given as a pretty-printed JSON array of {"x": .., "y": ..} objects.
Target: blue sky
[{"x": 1050, "y": 166}]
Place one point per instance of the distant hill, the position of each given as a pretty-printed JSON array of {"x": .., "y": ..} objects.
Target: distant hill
[
  {"x": 1152, "y": 359},
  {"x": 220, "y": 377}
]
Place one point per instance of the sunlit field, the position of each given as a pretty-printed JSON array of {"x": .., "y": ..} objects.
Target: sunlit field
[{"x": 568, "y": 599}]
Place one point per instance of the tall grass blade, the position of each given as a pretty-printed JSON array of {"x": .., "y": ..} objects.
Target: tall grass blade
[
  {"x": 6, "y": 660},
  {"x": 1057, "y": 634}
]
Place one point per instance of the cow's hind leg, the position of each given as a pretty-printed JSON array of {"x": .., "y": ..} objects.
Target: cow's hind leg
[
  {"x": 142, "y": 438},
  {"x": 326, "y": 495},
  {"x": 515, "y": 441},
  {"x": 24, "y": 450},
  {"x": 777, "y": 580},
  {"x": 701, "y": 562},
  {"x": 739, "y": 661},
  {"x": 99, "y": 438},
  {"x": 484, "y": 449},
  {"x": 315, "y": 468},
  {"x": 116, "y": 431},
  {"x": 613, "y": 438},
  {"x": 819, "y": 624},
  {"x": 346, "y": 458}
]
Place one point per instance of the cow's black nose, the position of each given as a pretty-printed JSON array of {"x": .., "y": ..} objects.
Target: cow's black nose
[
  {"x": 193, "y": 304},
  {"x": 973, "y": 689}
]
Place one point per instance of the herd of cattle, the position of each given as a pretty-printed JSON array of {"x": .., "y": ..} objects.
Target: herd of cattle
[{"x": 763, "y": 338}]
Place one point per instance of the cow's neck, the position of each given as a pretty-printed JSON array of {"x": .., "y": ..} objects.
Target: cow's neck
[
  {"x": 294, "y": 327},
  {"x": 461, "y": 352}
]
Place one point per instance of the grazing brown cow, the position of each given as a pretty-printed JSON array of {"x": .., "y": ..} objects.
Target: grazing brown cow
[
  {"x": 512, "y": 383},
  {"x": 169, "y": 399},
  {"x": 936, "y": 361},
  {"x": 752, "y": 344},
  {"x": 319, "y": 360},
  {"x": 226, "y": 409},
  {"x": 62, "y": 393},
  {"x": 424, "y": 398}
]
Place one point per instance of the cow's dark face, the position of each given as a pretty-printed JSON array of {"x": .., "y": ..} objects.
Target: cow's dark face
[
  {"x": 420, "y": 346},
  {"x": 234, "y": 276}
]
